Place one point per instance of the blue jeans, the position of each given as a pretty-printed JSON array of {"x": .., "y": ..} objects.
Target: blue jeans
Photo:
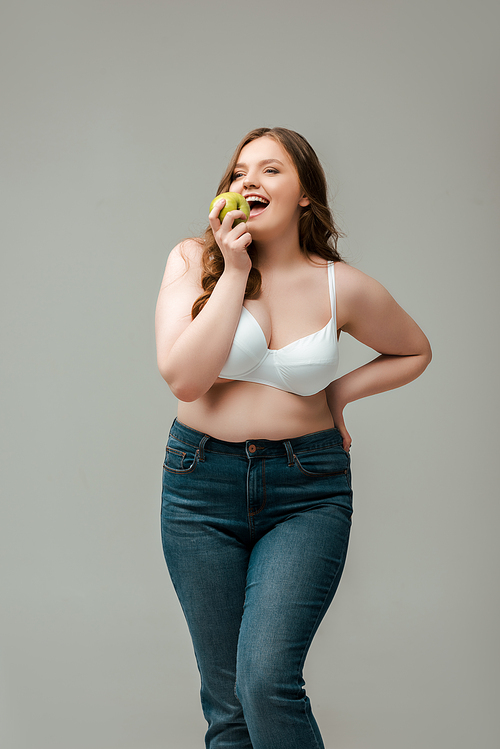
[{"x": 255, "y": 538}]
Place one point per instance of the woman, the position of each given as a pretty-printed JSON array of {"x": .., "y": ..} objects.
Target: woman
[{"x": 257, "y": 501}]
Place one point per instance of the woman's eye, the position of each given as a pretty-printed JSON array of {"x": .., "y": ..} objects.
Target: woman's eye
[{"x": 240, "y": 175}]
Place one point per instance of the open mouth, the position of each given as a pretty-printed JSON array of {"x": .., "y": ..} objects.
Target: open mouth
[{"x": 257, "y": 203}]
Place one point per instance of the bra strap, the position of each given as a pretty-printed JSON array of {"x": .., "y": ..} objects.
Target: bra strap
[{"x": 331, "y": 286}]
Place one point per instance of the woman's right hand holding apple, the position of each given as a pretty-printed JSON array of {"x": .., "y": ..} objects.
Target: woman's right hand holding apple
[{"x": 233, "y": 241}]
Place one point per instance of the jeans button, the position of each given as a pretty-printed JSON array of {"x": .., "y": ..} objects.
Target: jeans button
[{"x": 252, "y": 448}]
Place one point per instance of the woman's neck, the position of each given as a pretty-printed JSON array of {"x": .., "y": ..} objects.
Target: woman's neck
[{"x": 279, "y": 253}]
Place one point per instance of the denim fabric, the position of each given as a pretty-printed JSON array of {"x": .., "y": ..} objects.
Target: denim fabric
[{"x": 255, "y": 538}]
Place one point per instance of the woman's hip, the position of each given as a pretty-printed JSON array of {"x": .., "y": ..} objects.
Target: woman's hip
[{"x": 256, "y": 483}]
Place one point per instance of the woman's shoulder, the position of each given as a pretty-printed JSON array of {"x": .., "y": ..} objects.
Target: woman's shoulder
[
  {"x": 353, "y": 281},
  {"x": 350, "y": 279},
  {"x": 188, "y": 251},
  {"x": 186, "y": 255},
  {"x": 184, "y": 261},
  {"x": 361, "y": 298}
]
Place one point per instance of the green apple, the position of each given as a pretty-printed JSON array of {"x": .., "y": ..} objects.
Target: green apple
[{"x": 234, "y": 202}]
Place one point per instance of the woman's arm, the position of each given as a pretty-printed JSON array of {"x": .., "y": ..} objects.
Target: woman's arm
[
  {"x": 367, "y": 311},
  {"x": 191, "y": 353}
]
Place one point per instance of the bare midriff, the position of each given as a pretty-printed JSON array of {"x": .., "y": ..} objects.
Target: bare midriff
[{"x": 236, "y": 411}]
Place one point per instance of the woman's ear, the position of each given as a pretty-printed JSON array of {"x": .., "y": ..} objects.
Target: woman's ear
[{"x": 304, "y": 201}]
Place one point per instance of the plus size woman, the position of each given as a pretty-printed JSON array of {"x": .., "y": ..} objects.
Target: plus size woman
[{"x": 257, "y": 498}]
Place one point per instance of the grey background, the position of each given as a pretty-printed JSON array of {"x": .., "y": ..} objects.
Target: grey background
[{"x": 117, "y": 121}]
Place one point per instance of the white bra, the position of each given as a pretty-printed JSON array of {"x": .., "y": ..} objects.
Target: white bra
[{"x": 303, "y": 367}]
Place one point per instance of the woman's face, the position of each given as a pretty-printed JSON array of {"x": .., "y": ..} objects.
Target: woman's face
[{"x": 266, "y": 176}]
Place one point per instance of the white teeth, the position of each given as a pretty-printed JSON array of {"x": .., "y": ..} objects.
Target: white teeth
[{"x": 256, "y": 199}]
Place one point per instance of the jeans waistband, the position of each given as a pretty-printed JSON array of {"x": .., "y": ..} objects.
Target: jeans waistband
[{"x": 256, "y": 447}]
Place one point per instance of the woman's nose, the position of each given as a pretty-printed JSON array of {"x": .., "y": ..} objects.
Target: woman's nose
[{"x": 250, "y": 181}]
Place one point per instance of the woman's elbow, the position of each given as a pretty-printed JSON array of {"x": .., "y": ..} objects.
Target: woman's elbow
[
  {"x": 425, "y": 357},
  {"x": 427, "y": 353},
  {"x": 181, "y": 389},
  {"x": 185, "y": 392}
]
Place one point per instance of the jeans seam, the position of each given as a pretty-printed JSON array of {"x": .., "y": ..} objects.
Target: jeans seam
[
  {"x": 256, "y": 512},
  {"x": 249, "y": 514}
]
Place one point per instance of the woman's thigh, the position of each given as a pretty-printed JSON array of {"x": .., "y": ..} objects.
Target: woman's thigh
[
  {"x": 293, "y": 574},
  {"x": 210, "y": 580}
]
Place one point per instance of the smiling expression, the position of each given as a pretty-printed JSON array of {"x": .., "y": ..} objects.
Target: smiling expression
[{"x": 266, "y": 176}]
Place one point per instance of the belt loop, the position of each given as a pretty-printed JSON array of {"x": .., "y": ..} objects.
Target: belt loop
[
  {"x": 289, "y": 452},
  {"x": 201, "y": 447}
]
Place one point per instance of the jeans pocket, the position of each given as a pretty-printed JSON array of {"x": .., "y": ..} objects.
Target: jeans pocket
[
  {"x": 180, "y": 459},
  {"x": 332, "y": 461}
]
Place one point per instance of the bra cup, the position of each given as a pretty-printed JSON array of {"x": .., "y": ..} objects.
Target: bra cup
[
  {"x": 306, "y": 367},
  {"x": 308, "y": 379},
  {"x": 248, "y": 350}
]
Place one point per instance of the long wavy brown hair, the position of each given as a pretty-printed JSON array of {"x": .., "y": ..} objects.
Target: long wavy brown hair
[{"x": 318, "y": 233}]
